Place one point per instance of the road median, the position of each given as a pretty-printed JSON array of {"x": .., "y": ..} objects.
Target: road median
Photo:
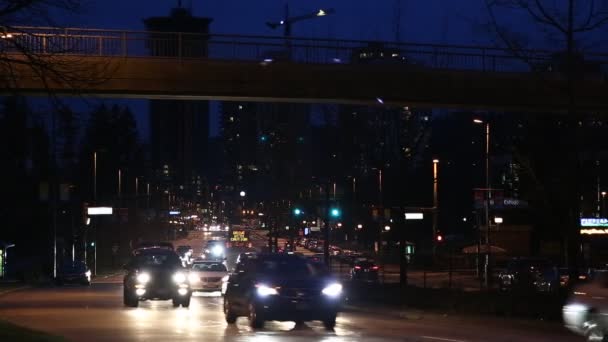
[{"x": 13, "y": 333}]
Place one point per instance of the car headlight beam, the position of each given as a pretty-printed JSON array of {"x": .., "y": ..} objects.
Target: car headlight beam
[
  {"x": 143, "y": 278},
  {"x": 332, "y": 290},
  {"x": 265, "y": 291},
  {"x": 192, "y": 277},
  {"x": 179, "y": 277},
  {"x": 217, "y": 250}
]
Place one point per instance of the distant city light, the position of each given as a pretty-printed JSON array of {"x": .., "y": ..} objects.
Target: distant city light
[
  {"x": 359, "y": 226},
  {"x": 242, "y": 193},
  {"x": 387, "y": 228}
]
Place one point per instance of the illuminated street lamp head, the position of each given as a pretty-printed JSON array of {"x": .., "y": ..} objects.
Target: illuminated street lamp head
[
  {"x": 603, "y": 193},
  {"x": 359, "y": 226},
  {"x": 435, "y": 161},
  {"x": 387, "y": 228},
  {"x": 297, "y": 211},
  {"x": 242, "y": 193},
  {"x": 498, "y": 220},
  {"x": 478, "y": 121}
]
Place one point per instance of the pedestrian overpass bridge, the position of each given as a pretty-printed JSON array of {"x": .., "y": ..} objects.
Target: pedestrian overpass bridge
[{"x": 174, "y": 65}]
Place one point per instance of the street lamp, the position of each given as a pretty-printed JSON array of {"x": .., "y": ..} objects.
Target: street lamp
[
  {"x": 359, "y": 226},
  {"x": 242, "y": 194},
  {"x": 488, "y": 198},
  {"x": 603, "y": 204},
  {"x": 387, "y": 228}
]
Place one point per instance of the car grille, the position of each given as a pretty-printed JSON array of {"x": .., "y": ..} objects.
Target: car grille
[
  {"x": 210, "y": 279},
  {"x": 297, "y": 293}
]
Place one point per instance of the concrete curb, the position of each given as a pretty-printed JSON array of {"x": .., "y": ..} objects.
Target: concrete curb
[
  {"x": 15, "y": 289},
  {"x": 397, "y": 313}
]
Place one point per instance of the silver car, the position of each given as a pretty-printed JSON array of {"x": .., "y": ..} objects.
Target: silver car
[
  {"x": 586, "y": 311},
  {"x": 207, "y": 276}
]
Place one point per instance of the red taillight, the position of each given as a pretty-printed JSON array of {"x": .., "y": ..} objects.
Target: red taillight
[
  {"x": 357, "y": 267},
  {"x": 375, "y": 267}
]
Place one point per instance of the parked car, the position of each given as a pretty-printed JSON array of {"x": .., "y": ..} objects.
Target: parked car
[
  {"x": 586, "y": 310},
  {"x": 283, "y": 287},
  {"x": 364, "y": 270},
  {"x": 156, "y": 274},
  {"x": 75, "y": 272},
  {"x": 529, "y": 274}
]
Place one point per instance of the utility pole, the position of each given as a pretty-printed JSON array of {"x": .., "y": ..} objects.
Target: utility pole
[
  {"x": 326, "y": 232},
  {"x": 54, "y": 190}
]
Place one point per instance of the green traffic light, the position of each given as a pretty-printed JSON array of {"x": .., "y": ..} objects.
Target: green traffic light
[{"x": 335, "y": 212}]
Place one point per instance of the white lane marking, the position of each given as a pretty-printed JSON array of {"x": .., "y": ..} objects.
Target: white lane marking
[{"x": 441, "y": 339}]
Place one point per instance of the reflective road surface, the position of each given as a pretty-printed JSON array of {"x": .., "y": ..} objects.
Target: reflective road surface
[{"x": 96, "y": 313}]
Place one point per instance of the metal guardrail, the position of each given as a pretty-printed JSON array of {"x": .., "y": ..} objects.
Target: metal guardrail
[{"x": 181, "y": 45}]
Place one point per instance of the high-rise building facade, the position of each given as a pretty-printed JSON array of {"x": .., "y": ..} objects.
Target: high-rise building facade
[{"x": 179, "y": 129}]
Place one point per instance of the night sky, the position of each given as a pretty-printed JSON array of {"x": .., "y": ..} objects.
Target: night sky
[{"x": 432, "y": 21}]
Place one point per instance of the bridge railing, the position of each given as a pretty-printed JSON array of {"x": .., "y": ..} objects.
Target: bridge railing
[{"x": 181, "y": 45}]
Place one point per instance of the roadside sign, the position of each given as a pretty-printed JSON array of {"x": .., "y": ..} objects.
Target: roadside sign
[{"x": 92, "y": 211}]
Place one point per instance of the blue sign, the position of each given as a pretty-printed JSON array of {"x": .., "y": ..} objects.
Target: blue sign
[{"x": 594, "y": 222}]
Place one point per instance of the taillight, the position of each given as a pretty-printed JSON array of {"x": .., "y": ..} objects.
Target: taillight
[
  {"x": 357, "y": 267},
  {"x": 375, "y": 268}
]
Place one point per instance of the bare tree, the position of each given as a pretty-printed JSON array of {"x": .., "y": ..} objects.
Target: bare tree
[
  {"x": 567, "y": 25},
  {"x": 44, "y": 56}
]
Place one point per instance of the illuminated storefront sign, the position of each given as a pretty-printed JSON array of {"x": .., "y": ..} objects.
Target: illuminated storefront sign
[{"x": 594, "y": 231}]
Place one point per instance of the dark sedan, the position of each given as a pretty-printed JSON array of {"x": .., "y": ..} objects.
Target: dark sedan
[
  {"x": 282, "y": 287},
  {"x": 74, "y": 273},
  {"x": 156, "y": 274},
  {"x": 364, "y": 270}
]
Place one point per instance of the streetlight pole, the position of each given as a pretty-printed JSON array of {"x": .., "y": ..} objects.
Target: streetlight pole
[
  {"x": 435, "y": 203},
  {"x": 487, "y": 201},
  {"x": 95, "y": 178},
  {"x": 603, "y": 211}
]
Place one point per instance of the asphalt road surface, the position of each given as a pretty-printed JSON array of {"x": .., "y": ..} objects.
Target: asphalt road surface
[{"x": 96, "y": 313}]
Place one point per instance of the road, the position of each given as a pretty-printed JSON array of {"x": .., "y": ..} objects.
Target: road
[{"x": 96, "y": 313}]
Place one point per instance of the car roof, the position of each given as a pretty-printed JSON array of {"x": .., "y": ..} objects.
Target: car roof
[{"x": 155, "y": 251}]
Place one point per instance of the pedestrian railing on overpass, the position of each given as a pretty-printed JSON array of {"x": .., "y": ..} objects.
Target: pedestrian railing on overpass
[{"x": 181, "y": 45}]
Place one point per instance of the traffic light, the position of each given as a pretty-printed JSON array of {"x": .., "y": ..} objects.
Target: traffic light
[
  {"x": 297, "y": 211},
  {"x": 335, "y": 212}
]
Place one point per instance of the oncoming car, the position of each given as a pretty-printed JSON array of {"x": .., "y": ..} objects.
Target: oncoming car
[
  {"x": 215, "y": 250},
  {"x": 156, "y": 274},
  {"x": 586, "y": 310},
  {"x": 207, "y": 276},
  {"x": 282, "y": 287}
]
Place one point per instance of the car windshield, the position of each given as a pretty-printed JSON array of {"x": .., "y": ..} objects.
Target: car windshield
[
  {"x": 74, "y": 267},
  {"x": 209, "y": 267},
  {"x": 157, "y": 260},
  {"x": 289, "y": 267}
]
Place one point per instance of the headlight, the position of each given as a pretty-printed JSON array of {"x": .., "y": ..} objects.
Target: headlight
[
  {"x": 179, "y": 277},
  {"x": 332, "y": 290},
  {"x": 217, "y": 250},
  {"x": 143, "y": 278},
  {"x": 192, "y": 277},
  {"x": 264, "y": 291}
]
